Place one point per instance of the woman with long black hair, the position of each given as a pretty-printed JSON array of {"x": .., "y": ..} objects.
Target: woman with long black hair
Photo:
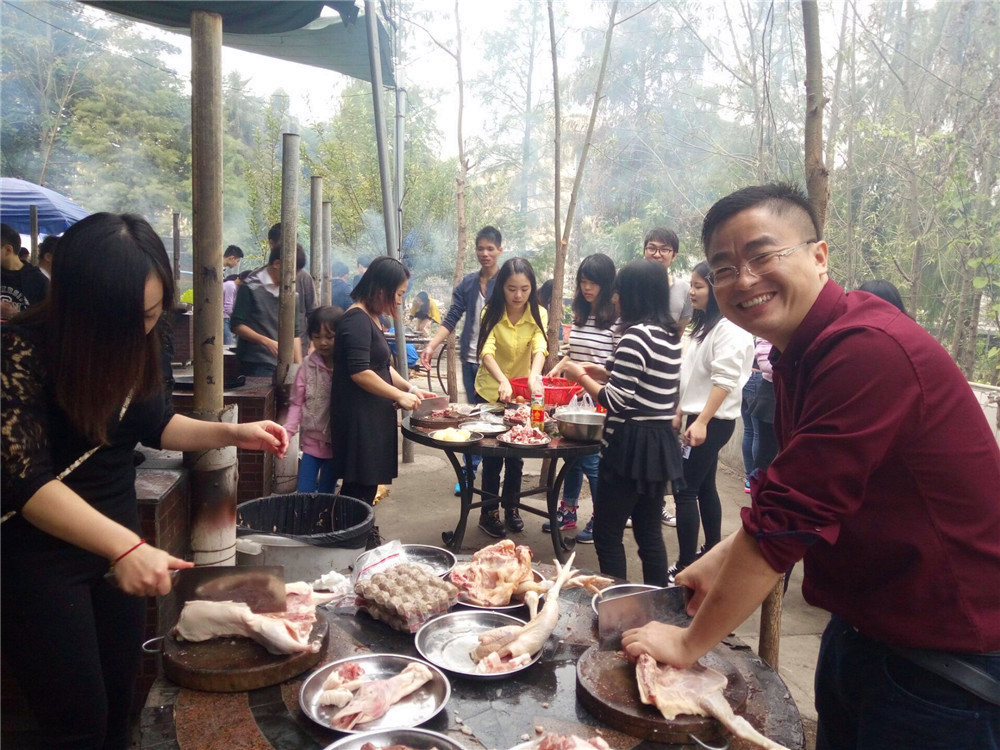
[
  {"x": 591, "y": 339},
  {"x": 639, "y": 450},
  {"x": 511, "y": 344},
  {"x": 82, "y": 385},
  {"x": 716, "y": 367}
]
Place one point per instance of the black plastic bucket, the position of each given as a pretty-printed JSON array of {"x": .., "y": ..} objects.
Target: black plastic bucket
[{"x": 319, "y": 519}]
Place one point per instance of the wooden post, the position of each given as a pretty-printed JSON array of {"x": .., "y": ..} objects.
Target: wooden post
[
  {"x": 316, "y": 233},
  {"x": 33, "y": 219},
  {"x": 770, "y": 625},
  {"x": 326, "y": 293},
  {"x": 177, "y": 250},
  {"x": 286, "y": 469},
  {"x": 213, "y": 473}
]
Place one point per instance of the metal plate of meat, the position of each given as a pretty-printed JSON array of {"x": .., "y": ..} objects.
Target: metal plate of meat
[
  {"x": 514, "y": 604},
  {"x": 417, "y": 739},
  {"x": 447, "y": 641},
  {"x": 436, "y": 560},
  {"x": 505, "y": 439},
  {"x": 416, "y": 708}
]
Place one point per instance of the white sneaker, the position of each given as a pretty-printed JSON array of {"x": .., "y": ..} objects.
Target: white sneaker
[{"x": 669, "y": 519}]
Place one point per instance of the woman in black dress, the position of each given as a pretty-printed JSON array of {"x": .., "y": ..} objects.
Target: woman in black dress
[
  {"x": 366, "y": 387},
  {"x": 82, "y": 385}
]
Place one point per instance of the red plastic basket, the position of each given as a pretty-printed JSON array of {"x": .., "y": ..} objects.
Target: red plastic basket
[{"x": 558, "y": 391}]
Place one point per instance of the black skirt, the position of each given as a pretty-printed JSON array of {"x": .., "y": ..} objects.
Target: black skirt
[{"x": 648, "y": 453}]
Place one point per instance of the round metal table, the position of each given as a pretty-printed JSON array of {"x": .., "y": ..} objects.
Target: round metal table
[
  {"x": 559, "y": 448},
  {"x": 481, "y": 713}
]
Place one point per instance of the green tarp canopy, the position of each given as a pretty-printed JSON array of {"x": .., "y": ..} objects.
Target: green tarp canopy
[{"x": 292, "y": 30}]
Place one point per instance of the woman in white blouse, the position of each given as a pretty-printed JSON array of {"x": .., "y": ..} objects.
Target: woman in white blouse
[{"x": 716, "y": 367}]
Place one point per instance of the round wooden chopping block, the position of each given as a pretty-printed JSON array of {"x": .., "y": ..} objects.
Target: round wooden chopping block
[
  {"x": 437, "y": 423},
  {"x": 234, "y": 665},
  {"x": 606, "y": 686}
]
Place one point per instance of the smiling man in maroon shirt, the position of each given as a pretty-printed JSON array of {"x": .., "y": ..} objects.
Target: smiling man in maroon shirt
[{"x": 887, "y": 486}]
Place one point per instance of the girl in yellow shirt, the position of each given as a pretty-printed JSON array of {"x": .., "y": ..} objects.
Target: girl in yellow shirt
[{"x": 511, "y": 344}]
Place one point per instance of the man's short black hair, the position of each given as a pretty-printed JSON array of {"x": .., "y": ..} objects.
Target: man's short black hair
[
  {"x": 781, "y": 198},
  {"x": 300, "y": 256},
  {"x": 491, "y": 234},
  {"x": 339, "y": 269},
  {"x": 233, "y": 251},
  {"x": 663, "y": 235},
  {"x": 9, "y": 236},
  {"x": 274, "y": 233},
  {"x": 364, "y": 261},
  {"x": 48, "y": 246}
]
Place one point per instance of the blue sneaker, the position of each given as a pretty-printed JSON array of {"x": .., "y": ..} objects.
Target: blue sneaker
[
  {"x": 587, "y": 535},
  {"x": 566, "y": 515},
  {"x": 458, "y": 489}
]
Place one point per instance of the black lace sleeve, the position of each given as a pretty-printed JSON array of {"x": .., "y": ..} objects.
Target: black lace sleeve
[{"x": 25, "y": 458}]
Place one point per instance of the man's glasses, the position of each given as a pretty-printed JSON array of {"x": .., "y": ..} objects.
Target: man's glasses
[
  {"x": 652, "y": 249},
  {"x": 759, "y": 265}
]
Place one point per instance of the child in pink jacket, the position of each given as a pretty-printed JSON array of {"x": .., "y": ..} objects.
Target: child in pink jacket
[{"x": 309, "y": 409}]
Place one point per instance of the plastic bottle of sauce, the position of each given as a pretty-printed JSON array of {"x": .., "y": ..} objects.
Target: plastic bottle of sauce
[{"x": 538, "y": 408}]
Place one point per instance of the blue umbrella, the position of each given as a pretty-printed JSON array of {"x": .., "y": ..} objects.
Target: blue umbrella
[{"x": 56, "y": 213}]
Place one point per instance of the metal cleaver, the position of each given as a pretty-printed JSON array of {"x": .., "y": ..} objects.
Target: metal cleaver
[
  {"x": 427, "y": 405},
  {"x": 260, "y": 587},
  {"x": 615, "y": 616}
]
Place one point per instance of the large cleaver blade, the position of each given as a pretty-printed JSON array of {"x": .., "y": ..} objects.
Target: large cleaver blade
[
  {"x": 427, "y": 405},
  {"x": 615, "y": 616},
  {"x": 260, "y": 587}
]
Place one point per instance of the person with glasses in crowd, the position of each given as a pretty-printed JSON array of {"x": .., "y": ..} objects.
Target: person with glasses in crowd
[
  {"x": 661, "y": 245},
  {"x": 887, "y": 486}
]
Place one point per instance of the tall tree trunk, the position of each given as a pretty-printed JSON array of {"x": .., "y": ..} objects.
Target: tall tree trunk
[
  {"x": 556, "y": 325},
  {"x": 816, "y": 173},
  {"x": 556, "y": 305},
  {"x": 831, "y": 136},
  {"x": 958, "y": 335},
  {"x": 463, "y": 172},
  {"x": 526, "y": 141}
]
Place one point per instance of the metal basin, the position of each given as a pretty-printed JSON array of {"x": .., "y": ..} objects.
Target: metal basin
[{"x": 586, "y": 427}]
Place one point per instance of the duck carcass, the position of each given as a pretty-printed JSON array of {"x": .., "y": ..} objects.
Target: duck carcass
[
  {"x": 697, "y": 691},
  {"x": 374, "y": 698},
  {"x": 514, "y": 641},
  {"x": 494, "y": 574}
]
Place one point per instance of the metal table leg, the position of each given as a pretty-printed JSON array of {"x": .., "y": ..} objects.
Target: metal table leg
[
  {"x": 553, "y": 483},
  {"x": 453, "y": 539}
]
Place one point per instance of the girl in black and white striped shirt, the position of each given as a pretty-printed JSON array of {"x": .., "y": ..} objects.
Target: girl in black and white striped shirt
[
  {"x": 591, "y": 340},
  {"x": 640, "y": 452}
]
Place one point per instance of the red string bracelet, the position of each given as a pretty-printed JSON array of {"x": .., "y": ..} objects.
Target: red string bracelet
[{"x": 129, "y": 551}]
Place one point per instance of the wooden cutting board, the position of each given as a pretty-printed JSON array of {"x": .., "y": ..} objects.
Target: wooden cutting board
[
  {"x": 437, "y": 423},
  {"x": 234, "y": 665},
  {"x": 606, "y": 686}
]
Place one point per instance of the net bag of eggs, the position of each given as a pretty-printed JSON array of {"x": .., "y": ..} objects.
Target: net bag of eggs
[{"x": 405, "y": 596}]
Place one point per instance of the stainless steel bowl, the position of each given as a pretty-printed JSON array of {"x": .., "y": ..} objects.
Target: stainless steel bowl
[{"x": 586, "y": 427}]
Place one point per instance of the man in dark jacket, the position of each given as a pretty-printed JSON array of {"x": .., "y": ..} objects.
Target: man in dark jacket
[
  {"x": 254, "y": 320},
  {"x": 341, "y": 289}
]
